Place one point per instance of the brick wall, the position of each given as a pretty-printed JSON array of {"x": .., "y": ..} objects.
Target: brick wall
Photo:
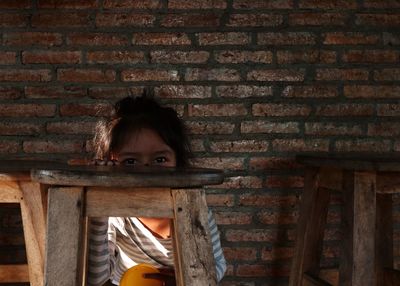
[{"x": 257, "y": 82}]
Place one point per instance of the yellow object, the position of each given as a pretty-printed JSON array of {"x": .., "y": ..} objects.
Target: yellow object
[{"x": 134, "y": 276}]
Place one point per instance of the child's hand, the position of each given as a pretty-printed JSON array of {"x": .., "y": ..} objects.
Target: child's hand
[
  {"x": 166, "y": 275},
  {"x": 99, "y": 162}
]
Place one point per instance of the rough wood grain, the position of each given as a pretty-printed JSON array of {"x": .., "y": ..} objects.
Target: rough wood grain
[
  {"x": 64, "y": 235},
  {"x": 192, "y": 238},
  {"x": 10, "y": 192},
  {"x": 14, "y": 273},
  {"x": 311, "y": 280}
]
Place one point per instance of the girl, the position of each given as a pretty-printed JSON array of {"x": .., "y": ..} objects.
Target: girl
[{"x": 142, "y": 133}]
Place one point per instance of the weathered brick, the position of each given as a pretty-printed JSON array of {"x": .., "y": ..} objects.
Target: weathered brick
[
  {"x": 318, "y": 19},
  {"x": 179, "y": 57},
  {"x": 381, "y": 4},
  {"x": 262, "y": 4},
  {"x": 371, "y": 56},
  {"x": 260, "y": 270},
  {"x": 68, "y": 4},
  {"x": 272, "y": 201},
  {"x": 391, "y": 39},
  {"x": 216, "y": 109},
  {"x": 229, "y": 218},
  {"x": 208, "y": 74},
  {"x": 13, "y": 20},
  {"x": 206, "y": 127},
  {"x": 22, "y": 75},
  {"x": 387, "y": 74},
  {"x": 256, "y": 235},
  {"x": 12, "y": 4},
  {"x": 300, "y": 145},
  {"x": 276, "y": 253},
  {"x": 264, "y": 57},
  {"x": 276, "y": 75},
  {"x": 27, "y": 110},
  {"x": 8, "y": 146},
  {"x": 115, "y": 57},
  {"x": 241, "y": 182},
  {"x": 380, "y": 20},
  {"x": 78, "y": 127},
  {"x": 51, "y": 146},
  {"x": 54, "y": 92},
  {"x": 328, "y": 4},
  {"x": 277, "y": 217},
  {"x": 97, "y": 39},
  {"x": 306, "y": 56},
  {"x": 350, "y": 38},
  {"x": 86, "y": 75},
  {"x": 274, "y": 109},
  {"x": 149, "y": 75},
  {"x": 65, "y": 19},
  {"x": 32, "y": 38},
  {"x": 51, "y": 57},
  {"x": 240, "y": 253},
  {"x": 363, "y": 145},
  {"x": 384, "y": 129},
  {"x": 286, "y": 38},
  {"x": 220, "y": 200},
  {"x": 137, "y": 4},
  {"x": 228, "y": 38},
  {"x": 183, "y": 91},
  {"x": 197, "y": 4},
  {"x": 107, "y": 92},
  {"x": 85, "y": 109},
  {"x": 191, "y": 20},
  {"x": 109, "y": 19},
  {"x": 197, "y": 145},
  {"x": 330, "y": 128},
  {"x": 10, "y": 92},
  {"x": 269, "y": 127},
  {"x": 220, "y": 163},
  {"x": 284, "y": 181},
  {"x": 350, "y": 109},
  {"x": 165, "y": 39},
  {"x": 371, "y": 91},
  {"x": 312, "y": 91},
  {"x": 273, "y": 163},
  {"x": 341, "y": 74},
  {"x": 20, "y": 128},
  {"x": 8, "y": 58},
  {"x": 240, "y": 146},
  {"x": 243, "y": 91},
  {"x": 388, "y": 109},
  {"x": 255, "y": 20}
]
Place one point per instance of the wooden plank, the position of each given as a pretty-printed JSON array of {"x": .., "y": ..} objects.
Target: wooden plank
[
  {"x": 310, "y": 229},
  {"x": 34, "y": 224},
  {"x": 331, "y": 179},
  {"x": 357, "y": 266},
  {"x": 124, "y": 202},
  {"x": 192, "y": 238},
  {"x": 330, "y": 275},
  {"x": 63, "y": 251},
  {"x": 392, "y": 277},
  {"x": 311, "y": 280},
  {"x": 14, "y": 273},
  {"x": 10, "y": 192},
  {"x": 388, "y": 183}
]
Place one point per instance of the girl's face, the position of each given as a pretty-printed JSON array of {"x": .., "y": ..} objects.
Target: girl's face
[{"x": 145, "y": 148}]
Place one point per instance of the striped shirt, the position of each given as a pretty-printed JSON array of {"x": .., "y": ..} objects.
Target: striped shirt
[{"x": 119, "y": 243}]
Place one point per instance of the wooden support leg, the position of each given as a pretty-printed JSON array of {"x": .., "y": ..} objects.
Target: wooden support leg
[
  {"x": 357, "y": 265},
  {"x": 193, "y": 249},
  {"x": 310, "y": 229},
  {"x": 64, "y": 235}
]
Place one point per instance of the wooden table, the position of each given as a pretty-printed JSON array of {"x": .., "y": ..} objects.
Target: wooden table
[{"x": 367, "y": 184}]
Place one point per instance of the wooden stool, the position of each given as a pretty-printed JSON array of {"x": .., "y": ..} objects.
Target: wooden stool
[
  {"x": 367, "y": 184},
  {"x": 78, "y": 192}
]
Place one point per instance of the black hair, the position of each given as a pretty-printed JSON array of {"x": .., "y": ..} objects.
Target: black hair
[{"x": 131, "y": 114}]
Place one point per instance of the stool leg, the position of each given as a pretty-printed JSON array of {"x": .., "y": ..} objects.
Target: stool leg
[
  {"x": 357, "y": 265},
  {"x": 195, "y": 263},
  {"x": 310, "y": 229},
  {"x": 64, "y": 226}
]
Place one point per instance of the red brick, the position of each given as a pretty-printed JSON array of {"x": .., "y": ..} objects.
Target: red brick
[
  {"x": 216, "y": 110},
  {"x": 32, "y": 38},
  {"x": 20, "y": 128},
  {"x": 190, "y": 20},
  {"x": 27, "y": 110},
  {"x": 276, "y": 253},
  {"x": 137, "y": 4},
  {"x": 10, "y": 92},
  {"x": 256, "y": 235},
  {"x": 228, "y": 38},
  {"x": 206, "y": 127},
  {"x": 277, "y": 217},
  {"x": 51, "y": 57},
  {"x": 306, "y": 56},
  {"x": 109, "y": 19},
  {"x": 54, "y": 92},
  {"x": 287, "y": 38},
  {"x": 40, "y": 75},
  {"x": 179, "y": 57},
  {"x": 149, "y": 75},
  {"x": 85, "y": 109},
  {"x": 241, "y": 182},
  {"x": 388, "y": 110},
  {"x": 381, "y": 4},
  {"x": 8, "y": 58},
  {"x": 273, "y": 109},
  {"x": 183, "y": 91},
  {"x": 219, "y": 163},
  {"x": 86, "y": 75},
  {"x": 262, "y": 4},
  {"x": 13, "y": 20},
  {"x": 240, "y": 146},
  {"x": 267, "y": 127},
  {"x": 240, "y": 253},
  {"x": 165, "y": 39},
  {"x": 285, "y": 182},
  {"x": 349, "y": 109},
  {"x": 115, "y": 57},
  {"x": 81, "y": 127},
  {"x": 272, "y": 201},
  {"x": 48, "y": 146},
  {"x": 228, "y": 218},
  {"x": 220, "y": 200},
  {"x": 310, "y": 91},
  {"x": 370, "y": 91},
  {"x": 203, "y": 74},
  {"x": 107, "y": 92},
  {"x": 318, "y": 19},
  {"x": 197, "y": 145},
  {"x": 65, "y": 19},
  {"x": 371, "y": 56},
  {"x": 272, "y": 163},
  {"x": 387, "y": 74},
  {"x": 380, "y": 20},
  {"x": 341, "y": 74},
  {"x": 276, "y": 75},
  {"x": 261, "y": 270},
  {"x": 384, "y": 129},
  {"x": 255, "y": 20},
  {"x": 350, "y": 38},
  {"x": 329, "y": 128},
  {"x": 363, "y": 145},
  {"x": 97, "y": 39},
  {"x": 264, "y": 57},
  {"x": 300, "y": 145},
  {"x": 397, "y": 146},
  {"x": 197, "y": 4},
  {"x": 243, "y": 91},
  {"x": 328, "y": 4},
  {"x": 12, "y": 4},
  {"x": 68, "y": 4},
  {"x": 8, "y": 146}
]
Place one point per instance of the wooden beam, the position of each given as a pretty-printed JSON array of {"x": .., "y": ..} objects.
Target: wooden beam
[
  {"x": 14, "y": 273},
  {"x": 10, "y": 192},
  {"x": 311, "y": 280}
]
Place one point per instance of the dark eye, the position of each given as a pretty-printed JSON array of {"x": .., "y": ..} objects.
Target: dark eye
[
  {"x": 129, "y": 162},
  {"x": 160, "y": 160}
]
